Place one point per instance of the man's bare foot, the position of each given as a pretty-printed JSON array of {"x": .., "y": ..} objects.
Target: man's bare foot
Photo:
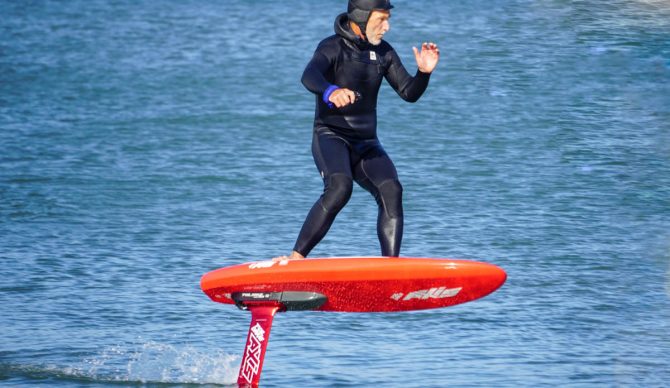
[{"x": 293, "y": 256}]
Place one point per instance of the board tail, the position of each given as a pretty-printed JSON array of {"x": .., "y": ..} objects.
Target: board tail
[{"x": 262, "y": 316}]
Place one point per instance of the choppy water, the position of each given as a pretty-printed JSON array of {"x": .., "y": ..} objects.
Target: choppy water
[{"x": 144, "y": 143}]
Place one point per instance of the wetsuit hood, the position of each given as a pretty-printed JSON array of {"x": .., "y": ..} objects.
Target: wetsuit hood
[{"x": 343, "y": 29}]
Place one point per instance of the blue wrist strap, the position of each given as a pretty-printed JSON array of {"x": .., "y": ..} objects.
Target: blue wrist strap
[{"x": 328, "y": 92}]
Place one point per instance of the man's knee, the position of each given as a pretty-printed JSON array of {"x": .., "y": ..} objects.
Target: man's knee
[
  {"x": 337, "y": 192},
  {"x": 390, "y": 192}
]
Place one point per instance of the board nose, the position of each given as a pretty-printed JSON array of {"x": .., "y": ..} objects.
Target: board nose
[{"x": 496, "y": 276}]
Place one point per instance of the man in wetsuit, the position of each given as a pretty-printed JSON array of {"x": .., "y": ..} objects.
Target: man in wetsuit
[{"x": 345, "y": 74}]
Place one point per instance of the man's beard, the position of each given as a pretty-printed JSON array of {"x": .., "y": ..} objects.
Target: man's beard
[{"x": 374, "y": 41}]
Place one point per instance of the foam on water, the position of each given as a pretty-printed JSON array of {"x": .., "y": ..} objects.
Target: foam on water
[{"x": 146, "y": 363}]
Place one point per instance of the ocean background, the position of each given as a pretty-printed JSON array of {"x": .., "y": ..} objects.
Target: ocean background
[{"x": 145, "y": 143}]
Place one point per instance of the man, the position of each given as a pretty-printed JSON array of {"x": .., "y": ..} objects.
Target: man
[{"x": 345, "y": 73}]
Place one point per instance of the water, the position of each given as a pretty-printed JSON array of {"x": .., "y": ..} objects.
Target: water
[{"x": 146, "y": 143}]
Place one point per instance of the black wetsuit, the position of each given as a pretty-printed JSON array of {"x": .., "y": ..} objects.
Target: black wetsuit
[{"x": 345, "y": 145}]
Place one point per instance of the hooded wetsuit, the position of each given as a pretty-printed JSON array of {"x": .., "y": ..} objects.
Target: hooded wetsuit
[{"x": 345, "y": 145}]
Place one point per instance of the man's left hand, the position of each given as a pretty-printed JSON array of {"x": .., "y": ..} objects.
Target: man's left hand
[{"x": 427, "y": 58}]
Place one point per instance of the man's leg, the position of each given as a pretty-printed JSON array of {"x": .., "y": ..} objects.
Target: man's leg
[
  {"x": 377, "y": 174},
  {"x": 332, "y": 157}
]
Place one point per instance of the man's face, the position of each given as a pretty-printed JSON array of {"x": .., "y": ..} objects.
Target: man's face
[{"x": 378, "y": 25}]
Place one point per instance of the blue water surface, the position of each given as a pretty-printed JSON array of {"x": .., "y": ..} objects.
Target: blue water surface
[{"x": 144, "y": 143}]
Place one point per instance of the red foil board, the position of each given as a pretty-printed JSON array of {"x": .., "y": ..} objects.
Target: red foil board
[{"x": 362, "y": 284}]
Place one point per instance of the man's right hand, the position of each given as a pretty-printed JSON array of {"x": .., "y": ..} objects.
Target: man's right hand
[{"x": 342, "y": 97}]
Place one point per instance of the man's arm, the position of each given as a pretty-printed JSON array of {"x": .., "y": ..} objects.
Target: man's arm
[
  {"x": 314, "y": 80},
  {"x": 313, "y": 77},
  {"x": 408, "y": 87}
]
